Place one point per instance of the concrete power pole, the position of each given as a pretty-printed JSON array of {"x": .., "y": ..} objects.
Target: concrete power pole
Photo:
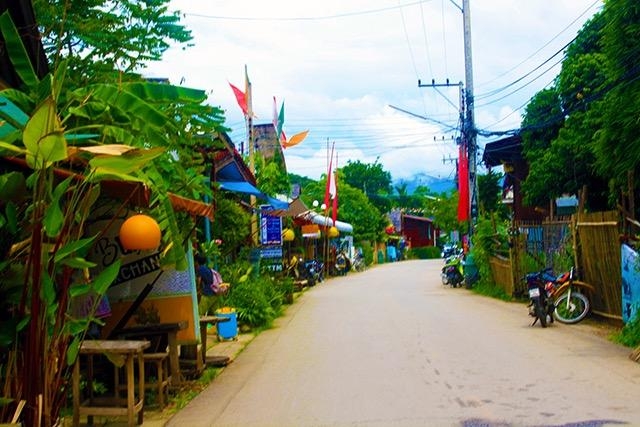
[{"x": 469, "y": 128}]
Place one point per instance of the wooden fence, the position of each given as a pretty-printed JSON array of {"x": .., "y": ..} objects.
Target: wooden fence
[
  {"x": 594, "y": 238},
  {"x": 598, "y": 256},
  {"x": 502, "y": 274}
]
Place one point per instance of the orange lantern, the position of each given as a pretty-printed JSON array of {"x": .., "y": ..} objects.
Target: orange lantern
[
  {"x": 288, "y": 235},
  {"x": 140, "y": 232},
  {"x": 333, "y": 232}
]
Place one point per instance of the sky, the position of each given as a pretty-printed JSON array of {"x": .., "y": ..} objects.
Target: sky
[{"x": 348, "y": 71}]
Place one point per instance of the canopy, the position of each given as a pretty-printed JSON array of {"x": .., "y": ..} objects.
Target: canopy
[
  {"x": 316, "y": 218},
  {"x": 296, "y": 207},
  {"x": 246, "y": 188}
]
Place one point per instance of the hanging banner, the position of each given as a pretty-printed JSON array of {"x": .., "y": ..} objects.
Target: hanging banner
[{"x": 630, "y": 283}]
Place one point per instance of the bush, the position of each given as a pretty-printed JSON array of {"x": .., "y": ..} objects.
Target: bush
[
  {"x": 257, "y": 298},
  {"x": 425, "y": 252},
  {"x": 630, "y": 335}
]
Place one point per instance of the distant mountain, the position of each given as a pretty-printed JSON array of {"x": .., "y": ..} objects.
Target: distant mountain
[{"x": 434, "y": 184}]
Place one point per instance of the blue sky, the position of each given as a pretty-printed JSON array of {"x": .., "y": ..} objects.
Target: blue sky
[{"x": 340, "y": 66}]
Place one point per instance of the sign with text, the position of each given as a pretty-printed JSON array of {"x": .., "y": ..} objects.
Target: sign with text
[
  {"x": 271, "y": 257},
  {"x": 270, "y": 227}
]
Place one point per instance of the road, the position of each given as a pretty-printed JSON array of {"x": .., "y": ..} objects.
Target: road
[{"x": 393, "y": 347}]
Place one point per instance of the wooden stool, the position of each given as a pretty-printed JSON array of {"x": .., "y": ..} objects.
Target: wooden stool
[{"x": 161, "y": 363}]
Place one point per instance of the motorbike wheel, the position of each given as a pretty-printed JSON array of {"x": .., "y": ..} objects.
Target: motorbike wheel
[
  {"x": 573, "y": 310},
  {"x": 540, "y": 312}
]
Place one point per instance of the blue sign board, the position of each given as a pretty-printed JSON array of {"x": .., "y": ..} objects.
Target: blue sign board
[{"x": 270, "y": 227}]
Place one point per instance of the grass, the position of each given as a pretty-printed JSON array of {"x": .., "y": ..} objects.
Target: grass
[{"x": 491, "y": 290}]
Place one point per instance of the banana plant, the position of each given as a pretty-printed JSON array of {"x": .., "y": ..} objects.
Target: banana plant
[{"x": 108, "y": 131}]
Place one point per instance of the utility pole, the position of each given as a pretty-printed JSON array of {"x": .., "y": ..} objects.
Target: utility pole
[
  {"x": 469, "y": 133},
  {"x": 469, "y": 127}
]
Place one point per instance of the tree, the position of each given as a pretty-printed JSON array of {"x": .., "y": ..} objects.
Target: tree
[
  {"x": 617, "y": 147},
  {"x": 271, "y": 175},
  {"x": 444, "y": 210},
  {"x": 354, "y": 208},
  {"x": 372, "y": 180},
  {"x": 541, "y": 125},
  {"x": 489, "y": 194},
  {"x": 560, "y": 123},
  {"x": 103, "y": 37}
]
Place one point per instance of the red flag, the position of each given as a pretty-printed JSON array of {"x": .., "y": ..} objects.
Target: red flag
[
  {"x": 327, "y": 192},
  {"x": 463, "y": 184},
  {"x": 241, "y": 97},
  {"x": 334, "y": 209}
]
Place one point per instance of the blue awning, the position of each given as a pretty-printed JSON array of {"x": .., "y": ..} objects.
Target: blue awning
[{"x": 246, "y": 188}]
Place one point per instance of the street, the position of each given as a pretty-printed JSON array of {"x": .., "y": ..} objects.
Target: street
[{"x": 393, "y": 347}]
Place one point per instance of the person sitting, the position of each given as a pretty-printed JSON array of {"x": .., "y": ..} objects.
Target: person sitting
[{"x": 209, "y": 285}]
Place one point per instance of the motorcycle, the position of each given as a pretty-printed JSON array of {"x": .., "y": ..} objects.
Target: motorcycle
[
  {"x": 343, "y": 264},
  {"x": 300, "y": 273},
  {"x": 358, "y": 263},
  {"x": 570, "y": 296},
  {"x": 453, "y": 271},
  {"x": 562, "y": 295},
  {"x": 315, "y": 269},
  {"x": 541, "y": 306}
]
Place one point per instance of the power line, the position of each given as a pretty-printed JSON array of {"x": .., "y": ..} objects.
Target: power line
[{"x": 306, "y": 18}]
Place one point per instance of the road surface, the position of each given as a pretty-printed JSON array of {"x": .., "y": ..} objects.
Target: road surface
[{"x": 392, "y": 346}]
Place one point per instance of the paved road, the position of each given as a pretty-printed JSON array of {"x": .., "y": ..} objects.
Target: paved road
[{"x": 392, "y": 347}]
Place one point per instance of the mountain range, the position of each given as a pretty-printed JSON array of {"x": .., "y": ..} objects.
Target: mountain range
[{"x": 435, "y": 185}]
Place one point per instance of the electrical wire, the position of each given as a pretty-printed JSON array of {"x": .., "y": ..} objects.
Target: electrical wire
[
  {"x": 543, "y": 46},
  {"x": 302, "y": 18}
]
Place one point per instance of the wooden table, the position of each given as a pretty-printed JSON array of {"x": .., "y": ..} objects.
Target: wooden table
[
  {"x": 205, "y": 321},
  {"x": 118, "y": 351},
  {"x": 170, "y": 330}
]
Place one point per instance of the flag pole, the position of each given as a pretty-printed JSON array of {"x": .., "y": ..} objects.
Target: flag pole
[{"x": 252, "y": 165}]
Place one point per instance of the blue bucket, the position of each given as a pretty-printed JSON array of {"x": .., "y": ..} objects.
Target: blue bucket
[{"x": 229, "y": 329}]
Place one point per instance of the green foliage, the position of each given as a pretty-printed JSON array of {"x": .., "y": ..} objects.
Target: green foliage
[
  {"x": 68, "y": 113},
  {"x": 302, "y": 181},
  {"x": 232, "y": 225},
  {"x": 353, "y": 207},
  {"x": 487, "y": 242},
  {"x": 427, "y": 252},
  {"x": 367, "y": 251},
  {"x": 444, "y": 210},
  {"x": 257, "y": 298},
  {"x": 371, "y": 179},
  {"x": 491, "y": 290},
  {"x": 489, "y": 194},
  {"x": 271, "y": 175},
  {"x": 98, "y": 35},
  {"x": 630, "y": 334}
]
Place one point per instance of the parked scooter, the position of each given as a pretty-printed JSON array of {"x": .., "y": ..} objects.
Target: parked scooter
[
  {"x": 564, "y": 297},
  {"x": 343, "y": 264},
  {"x": 315, "y": 269},
  {"x": 300, "y": 273},
  {"x": 453, "y": 270}
]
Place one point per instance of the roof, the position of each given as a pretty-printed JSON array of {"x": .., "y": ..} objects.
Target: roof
[
  {"x": 417, "y": 218},
  {"x": 506, "y": 150}
]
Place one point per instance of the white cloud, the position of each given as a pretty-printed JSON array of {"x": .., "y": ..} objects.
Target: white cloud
[{"x": 339, "y": 65}]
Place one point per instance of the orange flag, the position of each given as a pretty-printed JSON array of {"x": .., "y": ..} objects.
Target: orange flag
[{"x": 295, "y": 139}]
